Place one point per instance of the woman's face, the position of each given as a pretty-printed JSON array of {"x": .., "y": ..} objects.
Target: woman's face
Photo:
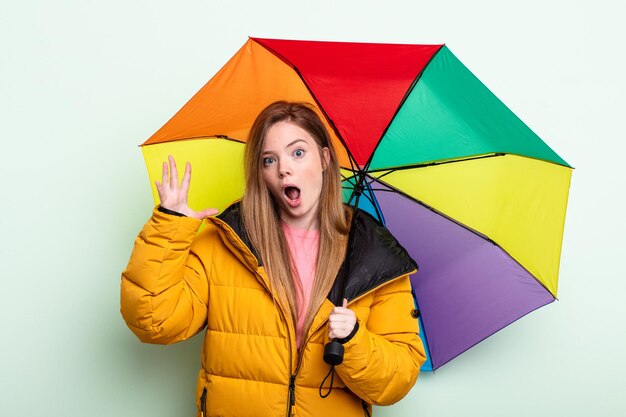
[{"x": 292, "y": 168}]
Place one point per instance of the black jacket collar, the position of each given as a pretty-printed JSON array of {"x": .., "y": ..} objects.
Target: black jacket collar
[{"x": 376, "y": 258}]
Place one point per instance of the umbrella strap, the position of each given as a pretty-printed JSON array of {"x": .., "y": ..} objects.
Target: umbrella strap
[{"x": 330, "y": 373}]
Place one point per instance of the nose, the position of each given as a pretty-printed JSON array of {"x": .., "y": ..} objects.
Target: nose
[{"x": 284, "y": 169}]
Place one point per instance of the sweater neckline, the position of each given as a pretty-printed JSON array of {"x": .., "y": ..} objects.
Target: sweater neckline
[{"x": 299, "y": 232}]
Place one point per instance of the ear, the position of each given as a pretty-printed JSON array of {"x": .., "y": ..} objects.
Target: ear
[{"x": 325, "y": 157}]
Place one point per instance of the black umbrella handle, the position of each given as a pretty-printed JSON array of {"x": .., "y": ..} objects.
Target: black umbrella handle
[{"x": 333, "y": 353}]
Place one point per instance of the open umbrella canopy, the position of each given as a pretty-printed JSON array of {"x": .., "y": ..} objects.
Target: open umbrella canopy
[{"x": 476, "y": 197}]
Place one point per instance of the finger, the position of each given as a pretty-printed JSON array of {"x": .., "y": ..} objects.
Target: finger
[
  {"x": 343, "y": 324},
  {"x": 165, "y": 175},
  {"x": 186, "y": 179},
  {"x": 341, "y": 328},
  {"x": 342, "y": 311},
  {"x": 345, "y": 303},
  {"x": 337, "y": 334},
  {"x": 173, "y": 173},
  {"x": 339, "y": 324},
  {"x": 207, "y": 213},
  {"x": 159, "y": 190}
]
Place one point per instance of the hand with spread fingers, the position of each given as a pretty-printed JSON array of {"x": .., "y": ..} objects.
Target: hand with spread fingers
[
  {"x": 173, "y": 195},
  {"x": 341, "y": 322}
]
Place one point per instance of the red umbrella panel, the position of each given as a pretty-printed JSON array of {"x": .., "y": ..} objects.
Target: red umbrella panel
[{"x": 475, "y": 196}]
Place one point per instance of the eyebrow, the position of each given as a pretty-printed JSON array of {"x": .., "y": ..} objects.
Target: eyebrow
[
  {"x": 288, "y": 145},
  {"x": 294, "y": 142}
]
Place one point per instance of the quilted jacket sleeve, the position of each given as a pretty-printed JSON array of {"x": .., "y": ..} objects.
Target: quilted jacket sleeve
[
  {"x": 164, "y": 290},
  {"x": 382, "y": 360}
]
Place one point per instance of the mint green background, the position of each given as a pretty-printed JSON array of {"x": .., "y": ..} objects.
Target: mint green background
[{"x": 82, "y": 83}]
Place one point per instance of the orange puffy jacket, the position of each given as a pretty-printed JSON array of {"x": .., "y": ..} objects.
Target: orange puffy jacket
[{"x": 178, "y": 282}]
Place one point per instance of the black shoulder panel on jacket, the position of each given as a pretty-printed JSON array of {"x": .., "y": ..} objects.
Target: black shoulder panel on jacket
[
  {"x": 377, "y": 257},
  {"x": 232, "y": 217}
]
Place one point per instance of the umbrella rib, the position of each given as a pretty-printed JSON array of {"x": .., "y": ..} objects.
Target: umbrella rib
[
  {"x": 374, "y": 204},
  {"x": 401, "y": 103},
  {"x": 363, "y": 177},
  {"x": 224, "y": 137},
  {"x": 383, "y": 190},
  {"x": 434, "y": 210},
  {"x": 371, "y": 200},
  {"x": 429, "y": 164},
  {"x": 389, "y": 170}
]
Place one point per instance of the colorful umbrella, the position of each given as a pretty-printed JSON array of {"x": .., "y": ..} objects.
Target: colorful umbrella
[{"x": 474, "y": 195}]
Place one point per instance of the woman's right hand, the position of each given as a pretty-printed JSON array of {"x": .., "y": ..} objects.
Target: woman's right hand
[{"x": 174, "y": 197}]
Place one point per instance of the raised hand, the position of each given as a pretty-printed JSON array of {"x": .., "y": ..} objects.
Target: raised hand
[{"x": 174, "y": 196}]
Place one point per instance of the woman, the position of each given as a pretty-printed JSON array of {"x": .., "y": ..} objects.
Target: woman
[{"x": 258, "y": 278}]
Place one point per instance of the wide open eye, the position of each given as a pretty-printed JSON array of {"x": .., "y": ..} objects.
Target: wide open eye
[
  {"x": 298, "y": 153},
  {"x": 268, "y": 160}
]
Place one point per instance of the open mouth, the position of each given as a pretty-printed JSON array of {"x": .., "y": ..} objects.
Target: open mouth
[{"x": 292, "y": 193}]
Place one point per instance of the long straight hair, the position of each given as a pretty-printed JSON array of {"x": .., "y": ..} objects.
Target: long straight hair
[{"x": 262, "y": 218}]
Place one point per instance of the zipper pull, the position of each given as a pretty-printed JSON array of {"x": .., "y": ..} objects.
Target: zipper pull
[
  {"x": 203, "y": 403},
  {"x": 292, "y": 395}
]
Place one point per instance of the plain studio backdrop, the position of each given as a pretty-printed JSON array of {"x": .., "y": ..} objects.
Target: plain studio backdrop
[{"x": 83, "y": 83}]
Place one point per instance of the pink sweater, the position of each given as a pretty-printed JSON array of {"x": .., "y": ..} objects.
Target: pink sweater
[{"x": 303, "y": 248}]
